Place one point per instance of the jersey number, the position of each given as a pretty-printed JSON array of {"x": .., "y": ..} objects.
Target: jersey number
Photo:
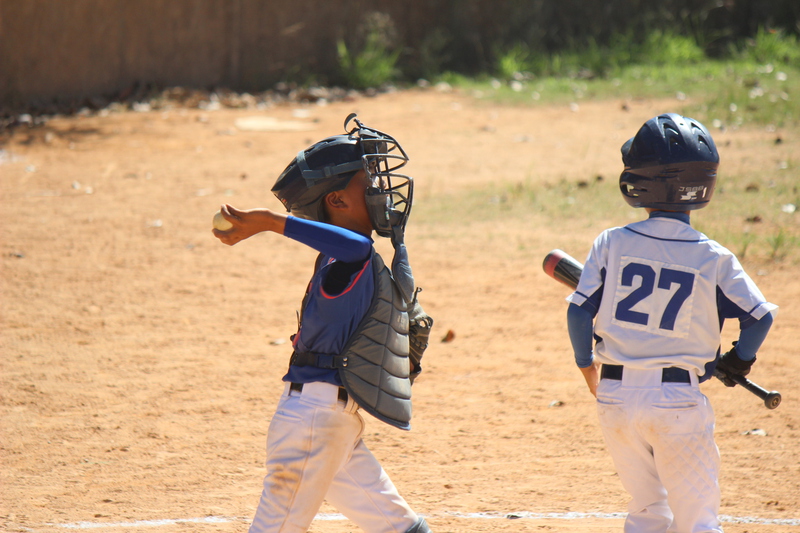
[{"x": 666, "y": 278}]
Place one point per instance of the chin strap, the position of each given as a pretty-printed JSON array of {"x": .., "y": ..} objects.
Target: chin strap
[{"x": 401, "y": 269}]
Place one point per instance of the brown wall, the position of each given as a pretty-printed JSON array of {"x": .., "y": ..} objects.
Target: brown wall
[
  {"x": 65, "y": 51},
  {"x": 62, "y": 50},
  {"x": 74, "y": 48}
]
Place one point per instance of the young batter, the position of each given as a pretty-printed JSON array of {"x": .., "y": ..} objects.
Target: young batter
[
  {"x": 654, "y": 295},
  {"x": 360, "y": 338}
]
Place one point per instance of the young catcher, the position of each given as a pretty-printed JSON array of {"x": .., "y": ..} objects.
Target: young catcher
[
  {"x": 654, "y": 295},
  {"x": 360, "y": 337}
]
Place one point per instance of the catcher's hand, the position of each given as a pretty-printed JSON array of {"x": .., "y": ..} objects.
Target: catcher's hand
[
  {"x": 419, "y": 330},
  {"x": 730, "y": 364}
]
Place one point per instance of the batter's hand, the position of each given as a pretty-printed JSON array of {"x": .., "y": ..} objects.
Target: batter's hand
[
  {"x": 247, "y": 223},
  {"x": 592, "y": 376},
  {"x": 730, "y": 364}
]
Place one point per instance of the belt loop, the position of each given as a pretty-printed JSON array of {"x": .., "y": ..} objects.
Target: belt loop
[
  {"x": 611, "y": 372},
  {"x": 675, "y": 375},
  {"x": 343, "y": 396}
]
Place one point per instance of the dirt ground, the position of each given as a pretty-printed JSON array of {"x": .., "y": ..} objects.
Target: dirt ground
[{"x": 141, "y": 359}]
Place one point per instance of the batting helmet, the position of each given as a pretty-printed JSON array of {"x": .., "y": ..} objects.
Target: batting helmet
[
  {"x": 330, "y": 164},
  {"x": 671, "y": 164}
]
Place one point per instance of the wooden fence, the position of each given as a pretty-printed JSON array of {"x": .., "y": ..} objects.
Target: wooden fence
[{"x": 56, "y": 51}]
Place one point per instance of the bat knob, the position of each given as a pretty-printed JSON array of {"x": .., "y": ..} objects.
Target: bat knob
[{"x": 772, "y": 400}]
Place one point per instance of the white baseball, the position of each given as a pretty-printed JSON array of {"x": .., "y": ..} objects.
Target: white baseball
[{"x": 220, "y": 223}]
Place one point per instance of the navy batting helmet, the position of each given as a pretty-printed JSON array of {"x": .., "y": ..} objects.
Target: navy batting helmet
[
  {"x": 671, "y": 164},
  {"x": 330, "y": 164}
]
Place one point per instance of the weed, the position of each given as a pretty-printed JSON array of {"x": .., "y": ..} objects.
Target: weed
[
  {"x": 376, "y": 64},
  {"x": 759, "y": 84},
  {"x": 770, "y": 46},
  {"x": 746, "y": 240},
  {"x": 777, "y": 244},
  {"x": 669, "y": 49},
  {"x": 513, "y": 63}
]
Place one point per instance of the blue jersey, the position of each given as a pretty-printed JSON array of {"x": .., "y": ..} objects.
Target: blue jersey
[
  {"x": 660, "y": 291},
  {"x": 338, "y": 295}
]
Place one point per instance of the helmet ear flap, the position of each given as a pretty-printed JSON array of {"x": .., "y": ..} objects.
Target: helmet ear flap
[{"x": 628, "y": 186}]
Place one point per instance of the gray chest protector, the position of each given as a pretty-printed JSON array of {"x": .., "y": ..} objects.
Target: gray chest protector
[
  {"x": 382, "y": 358},
  {"x": 374, "y": 365}
]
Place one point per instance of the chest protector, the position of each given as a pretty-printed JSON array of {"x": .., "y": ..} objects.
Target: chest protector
[{"x": 374, "y": 364}]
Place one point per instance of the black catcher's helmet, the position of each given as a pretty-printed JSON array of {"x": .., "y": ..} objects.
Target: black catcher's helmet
[
  {"x": 330, "y": 164},
  {"x": 670, "y": 164}
]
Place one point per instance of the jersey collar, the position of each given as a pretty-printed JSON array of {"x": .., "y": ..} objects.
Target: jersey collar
[{"x": 683, "y": 217}]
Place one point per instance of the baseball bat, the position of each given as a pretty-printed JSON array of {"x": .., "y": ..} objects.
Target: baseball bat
[
  {"x": 772, "y": 399},
  {"x": 564, "y": 268}
]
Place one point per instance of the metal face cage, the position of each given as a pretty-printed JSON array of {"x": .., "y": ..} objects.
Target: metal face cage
[{"x": 390, "y": 194}]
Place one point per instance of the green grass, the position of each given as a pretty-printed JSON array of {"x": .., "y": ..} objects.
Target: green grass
[
  {"x": 753, "y": 216},
  {"x": 567, "y": 204},
  {"x": 758, "y": 84},
  {"x": 728, "y": 94},
  {"x": 748, "y": 219}
]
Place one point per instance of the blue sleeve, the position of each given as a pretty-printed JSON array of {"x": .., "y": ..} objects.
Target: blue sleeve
[
  {"x": 340, "y": 243},
  {"x": 580, "y": 324},
  {"x": 751, "y": 337}
]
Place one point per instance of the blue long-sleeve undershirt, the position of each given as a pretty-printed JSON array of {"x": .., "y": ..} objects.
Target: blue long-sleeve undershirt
[
  {"x": 752, "y": 336},
  {"x": 334, "y": 241},
  {"x": 580, "y": 325}
]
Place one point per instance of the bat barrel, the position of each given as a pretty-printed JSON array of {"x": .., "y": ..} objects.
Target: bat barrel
[{"x": 561, "y": 266}]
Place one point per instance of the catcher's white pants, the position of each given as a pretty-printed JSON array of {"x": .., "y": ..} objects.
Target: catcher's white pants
[
  {"x": 661, "y": 438},
  {"x": 315, "y": 453}
]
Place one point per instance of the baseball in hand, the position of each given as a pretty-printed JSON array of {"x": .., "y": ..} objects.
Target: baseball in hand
[{"x": 220, "y": 223}]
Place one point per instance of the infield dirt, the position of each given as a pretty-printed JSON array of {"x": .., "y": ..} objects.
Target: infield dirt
[{"x": 141, "y": 358}]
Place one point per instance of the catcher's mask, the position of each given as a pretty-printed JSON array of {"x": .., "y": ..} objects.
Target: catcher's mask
[
  {"x": 330, "y": 164},
  {"x": 671, "y": 164}
]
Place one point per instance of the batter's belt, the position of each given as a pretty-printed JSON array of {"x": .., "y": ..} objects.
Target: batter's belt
[{"x": 668, "y": 375}]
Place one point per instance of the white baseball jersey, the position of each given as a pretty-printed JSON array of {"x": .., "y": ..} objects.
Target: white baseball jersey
[{"x": 660, "y": 291}]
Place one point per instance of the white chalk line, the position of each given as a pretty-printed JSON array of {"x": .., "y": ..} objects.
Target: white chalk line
[
  {"x": 483, "y": 516},
  {"x": 619, "y": 516},
  {"x": 148, "y": 523}
]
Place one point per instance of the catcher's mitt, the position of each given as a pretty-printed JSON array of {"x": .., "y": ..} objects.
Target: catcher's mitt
[{"x": 419, "y": 330}]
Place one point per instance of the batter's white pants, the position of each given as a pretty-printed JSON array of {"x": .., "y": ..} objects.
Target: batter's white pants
[
  {"x": 661, "y": 438},
  {"x": 315, "y": 453}
]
